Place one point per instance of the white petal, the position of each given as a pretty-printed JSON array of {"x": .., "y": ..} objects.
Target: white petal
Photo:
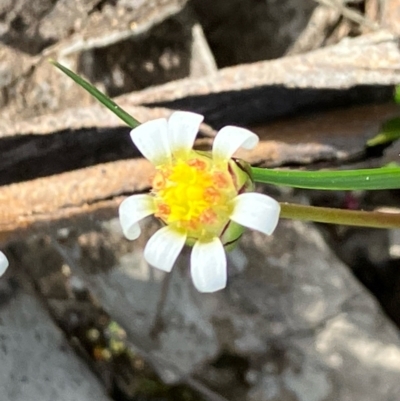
[
  {"x": 229, "y": 139},
  {"x": 133, "y": 209},
  {"x": 151, "y": 138},
  {"x": 3, "y": 263},
  {"x": 257, "y": 211},
  {"x": 208, "y": 266},
  {"x": 183, "y": 127},
  {"x": 163, "y": 248}
]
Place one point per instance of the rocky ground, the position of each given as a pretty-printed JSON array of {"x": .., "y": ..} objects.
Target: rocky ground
[{"x": 309, "y": 314}]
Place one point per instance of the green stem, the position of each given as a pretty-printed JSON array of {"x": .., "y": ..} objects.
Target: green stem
[
  {"x": 340, "y": 216},
  {"x": 341, "y": 180}
]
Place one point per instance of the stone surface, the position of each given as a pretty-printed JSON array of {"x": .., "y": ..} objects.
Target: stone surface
[
  {"x": 293, "y": 315},
  {"x": 391, "y": 15},
  {"x": 119, "y": 46},
  {"x": 173, "y": 47},
  {"x": 37, "y": 363},
  {"x": 259, "y": 30},
  {"x": 359, "y": 70},
  {"x": 85, "y": 158}
]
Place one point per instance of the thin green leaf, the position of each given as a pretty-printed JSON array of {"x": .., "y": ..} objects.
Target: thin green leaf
[
  {"x": 101, "y": 97},
  {"x": 365, "y": 179},
  {"x": 390, "y": 132}
]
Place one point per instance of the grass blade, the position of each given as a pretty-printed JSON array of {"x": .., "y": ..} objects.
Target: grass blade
[{"x": 101, "y": 97}]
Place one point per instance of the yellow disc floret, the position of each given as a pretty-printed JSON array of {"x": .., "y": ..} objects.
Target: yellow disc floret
[{"x": 193, "y": 194}]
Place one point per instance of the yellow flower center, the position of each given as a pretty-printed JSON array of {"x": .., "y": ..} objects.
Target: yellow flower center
[{"x": 193, "y": 194}]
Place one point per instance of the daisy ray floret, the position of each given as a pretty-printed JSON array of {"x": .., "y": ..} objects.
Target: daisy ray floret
[{"x": 3, "y": 263}]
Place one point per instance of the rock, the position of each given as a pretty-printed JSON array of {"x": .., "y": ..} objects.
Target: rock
[
  {"x": 390, "y": 15},
  {"x": 238, "y": 33},
  {"x": 172, "y": 48},
  {"x": 360, "y": 70},
  {"x": 37, "y": 363},
  {"x": 292, "y": 312},
  {"x": 85, "y": 158},
  {"x": 322, "y": 22},
  {"x": 119, "y": 46}
]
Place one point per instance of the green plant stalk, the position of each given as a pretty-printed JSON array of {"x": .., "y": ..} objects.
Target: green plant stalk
[
  {"x": 101, "y": 97},
  {"x": 342, "y": 180},
  {"x": 340, "y": 216}
]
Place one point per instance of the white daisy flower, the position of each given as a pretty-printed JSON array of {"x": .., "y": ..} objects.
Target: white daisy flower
[
  {"x": 202, "y": 197},
  {"x": 3, "y": 263}
]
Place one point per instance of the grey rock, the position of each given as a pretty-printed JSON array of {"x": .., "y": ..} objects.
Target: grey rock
[
  {"x": 259, "y": 30},
  {"x": 36, "y": 361},
  {"x": 358, "y": 70},
  {"x": 306, "y": 329},
  {"x": 118, "y": 46},
  {"x": 395, "y": 243}
]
